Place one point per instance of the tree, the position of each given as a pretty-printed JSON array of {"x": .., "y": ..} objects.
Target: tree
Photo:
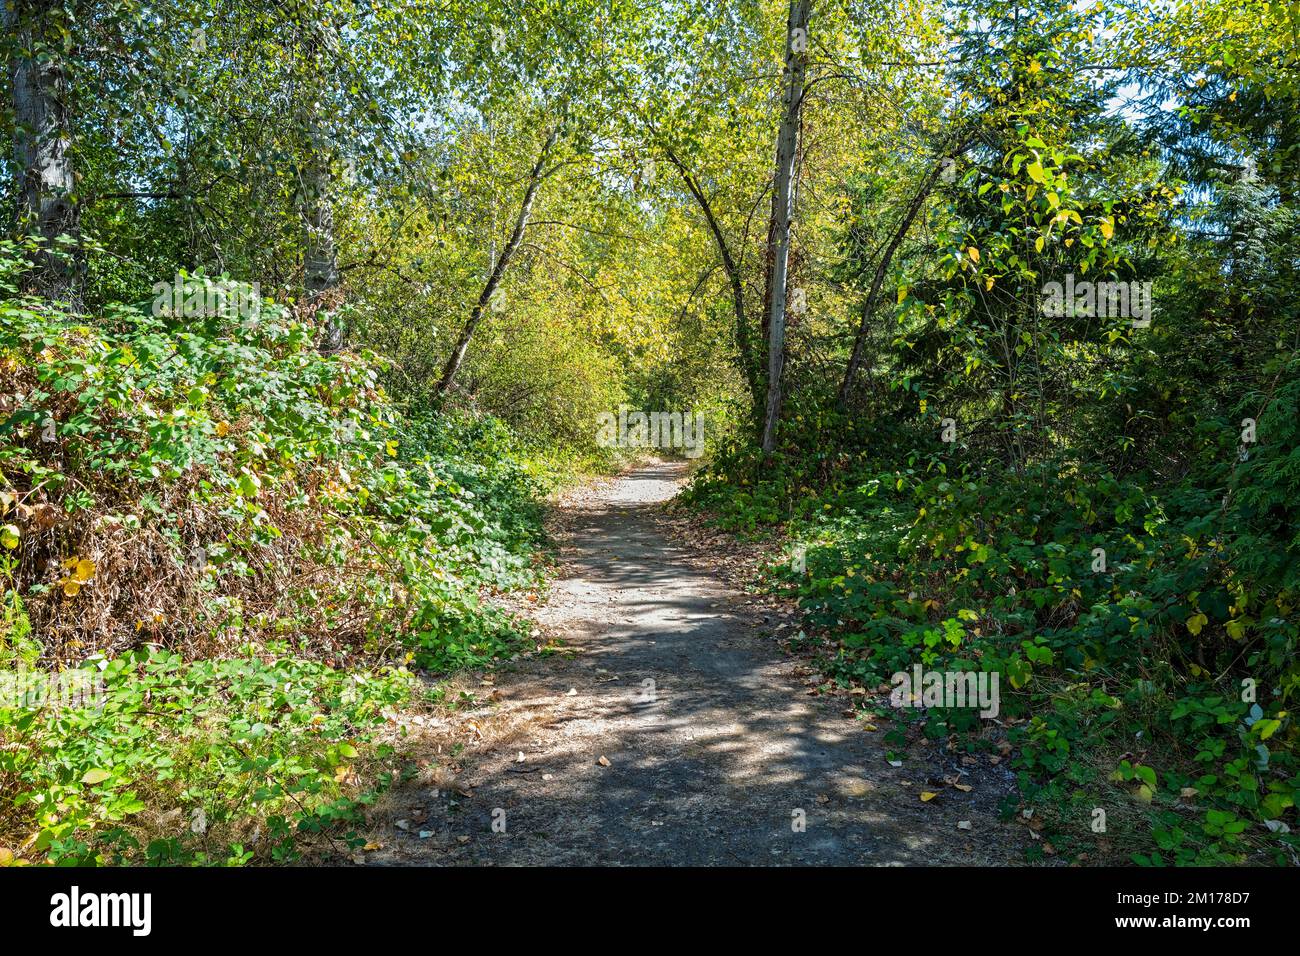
[
  {"x": 787, "y": 141},
  {"x": 536, "y": 175},
  {"x": 320, "y": 265},
  {"x": 48, "y": 208}
]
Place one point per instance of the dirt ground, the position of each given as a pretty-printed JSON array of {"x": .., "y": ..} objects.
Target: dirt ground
[{"x": 674, "y": 730}]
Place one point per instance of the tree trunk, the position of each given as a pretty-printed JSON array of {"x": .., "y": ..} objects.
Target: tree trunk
[
  {"x": 320, "y": 265},
  {"x": 535, "y": 178},
  {"x": 320, "y": 255},
  {"x": 882, "y": 267},
  {"x": 732, "y": 269},
  {"x": 47, "y": 206},
  {"x": 796, "y": 46}
]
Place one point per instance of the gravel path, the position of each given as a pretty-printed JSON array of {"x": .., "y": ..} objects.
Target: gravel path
[{"x": 677, "y": 733}]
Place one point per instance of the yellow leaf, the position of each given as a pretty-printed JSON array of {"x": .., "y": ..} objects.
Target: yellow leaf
[
  {"x": 84, "y": 571},
  {"x": 973, "y": 253},
  {"x": 1108, "y": 228},
  {"x": 1038, "y": 244},
  {"x": 927, "y": 796},
  {"x": 1196, "y": 622}
]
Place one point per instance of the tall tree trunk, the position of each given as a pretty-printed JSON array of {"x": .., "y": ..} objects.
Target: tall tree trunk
[
  {"x": 47, "y": 205},
  {"x": 535, "y": 177},
  {"x": 320, "y": 265},
  {"x": 796, "y": 47},
  {"x": 320, "y": 255},
  {"x": 732, "y": 269}
]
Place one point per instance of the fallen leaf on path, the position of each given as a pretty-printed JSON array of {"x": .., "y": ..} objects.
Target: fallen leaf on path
[
  {"x": 603, "y": 760},
  {"x": 927, "y": 796}
]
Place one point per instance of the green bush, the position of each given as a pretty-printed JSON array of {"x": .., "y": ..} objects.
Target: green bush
[
  {"x": 216, "y": 762},
  {"x": 203, "y": 481},
  {"x": 235, "y": 529},
  {"x": 1161, "y": 683}
]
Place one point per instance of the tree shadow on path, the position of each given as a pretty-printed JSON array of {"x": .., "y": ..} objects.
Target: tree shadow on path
[{"x": 716, "y": 754}]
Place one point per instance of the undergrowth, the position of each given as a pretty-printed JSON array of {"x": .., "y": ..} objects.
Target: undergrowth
[
  {"x": 1145, "y": 635},
  {"x": 227, "y": 524}
]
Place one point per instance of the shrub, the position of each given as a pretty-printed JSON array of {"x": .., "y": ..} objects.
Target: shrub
[{"x": 206, "y": 481}]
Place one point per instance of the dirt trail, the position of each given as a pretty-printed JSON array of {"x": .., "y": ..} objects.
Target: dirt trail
[{"x": 709, "y": 764}]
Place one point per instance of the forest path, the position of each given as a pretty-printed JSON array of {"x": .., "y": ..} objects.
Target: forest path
[{"x": 708, "y": 765}]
